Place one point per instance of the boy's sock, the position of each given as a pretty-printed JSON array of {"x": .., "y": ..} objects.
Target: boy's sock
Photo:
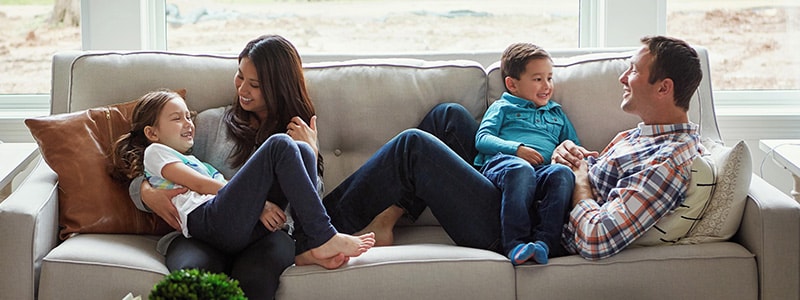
[
  {"x": 521, "y": 253},
  {"x": 540, "y": 252}
]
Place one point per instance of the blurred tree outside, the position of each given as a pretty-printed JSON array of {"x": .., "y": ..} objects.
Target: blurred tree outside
[{"x": 66, "y": 12}]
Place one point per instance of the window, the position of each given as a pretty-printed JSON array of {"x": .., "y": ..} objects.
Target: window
[
  {"x": 752, "y": 44},
  {"x": 27, "y": 43},
  {"x": 373, "y": 26}
]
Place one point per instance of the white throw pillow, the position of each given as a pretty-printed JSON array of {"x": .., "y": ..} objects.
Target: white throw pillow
[
  {"x": 724, "y": 213},
  {"x": 680, "y": 221}
]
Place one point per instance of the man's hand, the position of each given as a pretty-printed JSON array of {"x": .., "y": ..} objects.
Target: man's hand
[
  {"x": 583, "y": 189},
  {"x": 272, "y": 217},
  {"x": 571, "y": 155},
  {"x": 300, "y": 131},
  {"x": 530, "y": 155},
  {"x": 159, "y": 201}
]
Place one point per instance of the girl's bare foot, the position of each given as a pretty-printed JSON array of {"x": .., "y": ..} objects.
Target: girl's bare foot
[
  {"x": 383, "y": 226},
  {"x": 346, "y": 244},
  {"x": 331, "y": 263}
]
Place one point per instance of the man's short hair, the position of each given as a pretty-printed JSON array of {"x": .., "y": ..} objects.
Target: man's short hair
[{"x": 675, "y": 59}]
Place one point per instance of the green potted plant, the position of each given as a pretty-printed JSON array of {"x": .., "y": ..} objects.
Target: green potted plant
[{"x": 196, "y": 284}]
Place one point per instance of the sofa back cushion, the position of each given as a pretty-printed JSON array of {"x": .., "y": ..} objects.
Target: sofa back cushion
[
  {"x": 588, "y": 88},
  {"x": 98, "y": 79},
  {"x": 362, "y": 104}
]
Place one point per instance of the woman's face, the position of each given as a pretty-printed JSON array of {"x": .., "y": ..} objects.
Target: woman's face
[{"x": 249, "y": 89}]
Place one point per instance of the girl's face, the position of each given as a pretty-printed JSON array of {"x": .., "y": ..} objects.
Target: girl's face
[
  {"x": 248, "y": 88},
  {"x": 174, "y": 126}
]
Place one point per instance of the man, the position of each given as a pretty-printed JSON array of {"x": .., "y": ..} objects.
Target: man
[{"x": 644, "y": 172}]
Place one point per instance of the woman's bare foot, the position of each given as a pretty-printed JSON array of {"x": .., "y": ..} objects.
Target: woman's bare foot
[
  {"x": 346, "y": 244},
  {"x": 383, "y": 226},
  {"x": 305, "y": 259}
]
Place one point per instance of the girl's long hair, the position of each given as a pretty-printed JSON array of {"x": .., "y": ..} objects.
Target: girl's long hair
[
  {"x": 128, "y": 151},
  {"x": 280, "y": 72}
]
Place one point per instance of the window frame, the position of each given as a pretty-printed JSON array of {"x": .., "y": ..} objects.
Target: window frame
[{"x": 602, "y": 23}]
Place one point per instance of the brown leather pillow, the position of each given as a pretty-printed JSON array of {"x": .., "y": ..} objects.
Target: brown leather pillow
[{"x": 77, "y": 146}]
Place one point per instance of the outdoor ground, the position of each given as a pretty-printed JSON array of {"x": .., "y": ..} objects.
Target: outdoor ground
[{"x": 747, "y": 44}]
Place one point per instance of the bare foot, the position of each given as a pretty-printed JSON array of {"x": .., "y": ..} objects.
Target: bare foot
[
  {"x": 305, "y": 259},
  {"x": 346, "y": 244},
  {"x": 383, "y": 226}
]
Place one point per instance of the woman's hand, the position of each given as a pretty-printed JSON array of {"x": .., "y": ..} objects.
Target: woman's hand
[
  {"x": 159, "y": 201},
  {"x": 272, "y": 217},
  {"x": 300, "y": 131}
]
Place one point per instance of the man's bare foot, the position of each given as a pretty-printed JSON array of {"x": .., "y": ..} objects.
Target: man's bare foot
[
  {"x": 305, "y": 259},
  {"x": 346, "y": 244},
  {"x": 383, "y": 226}
]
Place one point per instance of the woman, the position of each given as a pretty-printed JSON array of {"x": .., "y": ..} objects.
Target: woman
[{"x": 271, "y": 98}]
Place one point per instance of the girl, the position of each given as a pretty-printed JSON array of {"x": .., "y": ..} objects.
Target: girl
[{"x": 222, "y": 214}]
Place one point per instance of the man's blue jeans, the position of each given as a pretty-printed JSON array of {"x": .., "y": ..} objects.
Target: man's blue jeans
[
  {"x": 535, "y": 199},
  {"x": 416, "y": 170}
]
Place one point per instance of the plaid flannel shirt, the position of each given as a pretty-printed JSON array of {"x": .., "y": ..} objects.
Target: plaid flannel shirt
[{"x": 640, "y": 176}]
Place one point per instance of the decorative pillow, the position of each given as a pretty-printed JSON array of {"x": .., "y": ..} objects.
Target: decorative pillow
[
  {"x": 679, "y": 222},
  {"x": 724, "y": 213},
  {"x": 77, "y": 146}
]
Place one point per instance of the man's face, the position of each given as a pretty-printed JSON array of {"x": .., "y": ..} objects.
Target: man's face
[{"x": 638, "y": 93}]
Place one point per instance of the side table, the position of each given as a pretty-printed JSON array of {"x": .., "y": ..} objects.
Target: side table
[
  {"x": 14, "y": 157},
  {"x": 785, "y": 153}
]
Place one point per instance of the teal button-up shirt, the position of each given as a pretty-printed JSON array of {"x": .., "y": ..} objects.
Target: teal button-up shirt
[{"x": 512, "y": 121}]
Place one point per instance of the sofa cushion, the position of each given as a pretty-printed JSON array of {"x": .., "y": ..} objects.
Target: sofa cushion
[
  {"x": 419, "y": 271},
  {"x": 706, "y": 271},
  {"x": 77, "y": 146},
  {"x": 361, "y": 104},
  {"x": 585, "y": 81},
  {"x": 102, "y": 266},
  {"x": 680, "y": 221},
  {"x": 724, "y": 213}
]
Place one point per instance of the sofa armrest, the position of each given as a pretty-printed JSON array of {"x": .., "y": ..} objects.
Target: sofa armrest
[
  {"x": 770, "y": 229},
  {"x": 28, "y": 231}
]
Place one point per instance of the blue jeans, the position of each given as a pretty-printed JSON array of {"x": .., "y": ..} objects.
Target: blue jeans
[
  {"x": 281, "y": 171},
  {"x": 454, "y": 125},
  {"x": 416, "y": 170},
  {"x": 535, "y": 199}
]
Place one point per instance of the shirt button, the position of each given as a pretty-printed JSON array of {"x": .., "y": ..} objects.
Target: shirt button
[{"x": 337, "y": 152}]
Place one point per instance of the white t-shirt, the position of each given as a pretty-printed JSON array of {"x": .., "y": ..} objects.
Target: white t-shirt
[{"x": 156, "y": 156}]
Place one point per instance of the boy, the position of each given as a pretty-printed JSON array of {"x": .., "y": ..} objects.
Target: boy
[{"x": 515, "y": 141}]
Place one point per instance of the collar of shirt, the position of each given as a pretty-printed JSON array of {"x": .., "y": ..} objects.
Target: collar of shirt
[
  {"x": 521, "y": 102},
  {"x": 655, "y": 130}
]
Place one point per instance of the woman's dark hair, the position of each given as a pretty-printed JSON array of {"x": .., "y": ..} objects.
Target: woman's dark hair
[
  {"x": 280, "y": 73},
  {"x": 128, "y": 151}
]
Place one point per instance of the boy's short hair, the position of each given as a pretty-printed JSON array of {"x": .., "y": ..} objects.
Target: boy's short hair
[{"x": 515, "y": 58}]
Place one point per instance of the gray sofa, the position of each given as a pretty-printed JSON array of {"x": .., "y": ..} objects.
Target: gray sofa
[{"x": 361, "y": 104}]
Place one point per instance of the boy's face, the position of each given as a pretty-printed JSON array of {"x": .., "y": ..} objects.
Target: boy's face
[{"x": 535, "y": 84}]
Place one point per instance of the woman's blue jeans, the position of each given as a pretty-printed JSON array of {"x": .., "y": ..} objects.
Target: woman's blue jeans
[
  {"x": 535, "y": 199},
  {"x": 281, "y": 171}
]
